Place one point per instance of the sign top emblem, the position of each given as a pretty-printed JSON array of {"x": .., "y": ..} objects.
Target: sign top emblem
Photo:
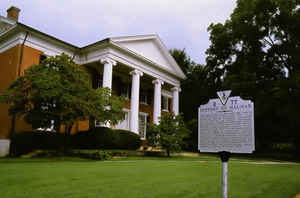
[{"x": 223, "y": 96}]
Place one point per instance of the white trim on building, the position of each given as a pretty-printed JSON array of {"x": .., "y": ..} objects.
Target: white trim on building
[{"x": 144, "y": 55}]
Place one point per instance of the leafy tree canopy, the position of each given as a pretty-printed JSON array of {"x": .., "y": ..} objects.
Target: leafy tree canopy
[
  {"x": 260, "y": 42},
  {"x": 183, "y": 60},
  {"x": 59, "y": 90},
  {"x": 256, "y": 54}
]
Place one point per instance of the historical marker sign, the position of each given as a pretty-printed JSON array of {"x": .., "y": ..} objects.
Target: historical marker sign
[{"x": 226, "y": 124}]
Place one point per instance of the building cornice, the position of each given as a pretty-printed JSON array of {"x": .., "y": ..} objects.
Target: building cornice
[{"x": 82, "y": 54}]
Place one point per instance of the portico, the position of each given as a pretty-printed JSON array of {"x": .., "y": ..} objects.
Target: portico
[{"x": 148, "y": 73}]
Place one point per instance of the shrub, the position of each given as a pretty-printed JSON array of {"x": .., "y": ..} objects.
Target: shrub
[
  {"x": 98, "y": 155},
  {"x": 22, "y": 143},
  {"x": 106, "y": 138},
  {"x": 96, "y": 138},
  {"x": 168, "y": 134},
  {"x": 83, "y": 140},
  {"x": 127, "y": 140},
  {"x": 48, "y": 140},
  {"x": 155, "y": 153},
  {"x": 25, "y": 142}
]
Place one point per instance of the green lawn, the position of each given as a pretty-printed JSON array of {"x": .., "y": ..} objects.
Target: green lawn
[{"x": 145, "y": 177}]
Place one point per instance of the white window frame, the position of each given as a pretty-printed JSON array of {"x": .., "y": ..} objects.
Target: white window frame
[
  {"x": 145, "y": 127},
  {"x": 144, "y": 100},
  {"x": 168, "y": 95}
]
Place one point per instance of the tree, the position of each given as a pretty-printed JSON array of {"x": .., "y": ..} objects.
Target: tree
[
  {"x": 168, "y": 134},
  {"x": 58, "y": 90},
  {"x": 183, "y": 60},
  {"x": 197, "y": 88},
  {"x": 196, "y": 79},
  {"x": 256, "y": 54}
]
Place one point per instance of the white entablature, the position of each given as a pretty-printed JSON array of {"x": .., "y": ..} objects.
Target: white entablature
[{"x": 145, "y": 53}]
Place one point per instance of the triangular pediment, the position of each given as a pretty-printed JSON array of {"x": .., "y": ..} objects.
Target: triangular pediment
[{"x": 151, "y": 48}]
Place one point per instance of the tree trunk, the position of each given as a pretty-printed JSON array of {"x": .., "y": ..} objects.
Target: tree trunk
[{"x": 168, "y": 152}]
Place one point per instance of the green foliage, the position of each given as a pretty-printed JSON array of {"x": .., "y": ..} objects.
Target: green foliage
[
  {"x": 183, "y": 60},
  {"x": 256, "y": 54},
  {"x": 197, "y": 89},
  {"x": 106, "y": 138},
  {"x": 95, "y": 138},
  {"x": 127, "y": 139},
  {"x": 191, "y": 140},
  {"x": 59, "y": 90},
  {"x": 98, "y": 155},
  {"x": 25, "y": 142},
  {"x": 168, "y": 134}
]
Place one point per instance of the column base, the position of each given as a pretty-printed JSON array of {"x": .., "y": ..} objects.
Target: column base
[{"x": 4, "y": 147}]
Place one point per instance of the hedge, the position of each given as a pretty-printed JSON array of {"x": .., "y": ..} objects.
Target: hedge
[
  {"x": 106, "y": 138},
  {"x": 28, "y": 141},
  {"x": 127, "y": 140},
  {"x": 96, "y": 138}
]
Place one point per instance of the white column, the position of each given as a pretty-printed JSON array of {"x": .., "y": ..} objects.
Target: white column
[
  {"x": 157, "y": 100},
  {"x": 176, "y": 91},
  {"x": 107, "y": 72},
  {"x": 107, "y": 76},
  {"x": 134, "y": 101}
]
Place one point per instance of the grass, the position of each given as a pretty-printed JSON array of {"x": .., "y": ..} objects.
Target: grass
[{"x": 145, "y": 177}]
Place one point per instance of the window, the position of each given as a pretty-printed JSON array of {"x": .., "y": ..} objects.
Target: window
[
  {"x": 144, "y": 98},
  {"x": 97, "y": 81},
  {"x": 124, "y": 91},
  {"x": 143, "y": 119},
  {"x": 165, "y": 103}
]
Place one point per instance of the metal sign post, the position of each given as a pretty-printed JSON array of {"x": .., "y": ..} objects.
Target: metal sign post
[
  {"x": 224, "y": 158},
  {"x": 226, "y": 125}
]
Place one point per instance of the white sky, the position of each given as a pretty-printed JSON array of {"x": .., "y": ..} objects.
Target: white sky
[{"x": 180, "y": 24}]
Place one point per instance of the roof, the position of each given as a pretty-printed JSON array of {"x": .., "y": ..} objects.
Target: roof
[{"x": 126, "y": 43}]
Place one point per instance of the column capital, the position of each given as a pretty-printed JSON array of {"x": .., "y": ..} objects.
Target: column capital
[
  {"x": 158, "y": 81},
  {"x": 107, "y": 60},
  {"x": 136, "y": 72},
  {"x": 176, "y": 89}
]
